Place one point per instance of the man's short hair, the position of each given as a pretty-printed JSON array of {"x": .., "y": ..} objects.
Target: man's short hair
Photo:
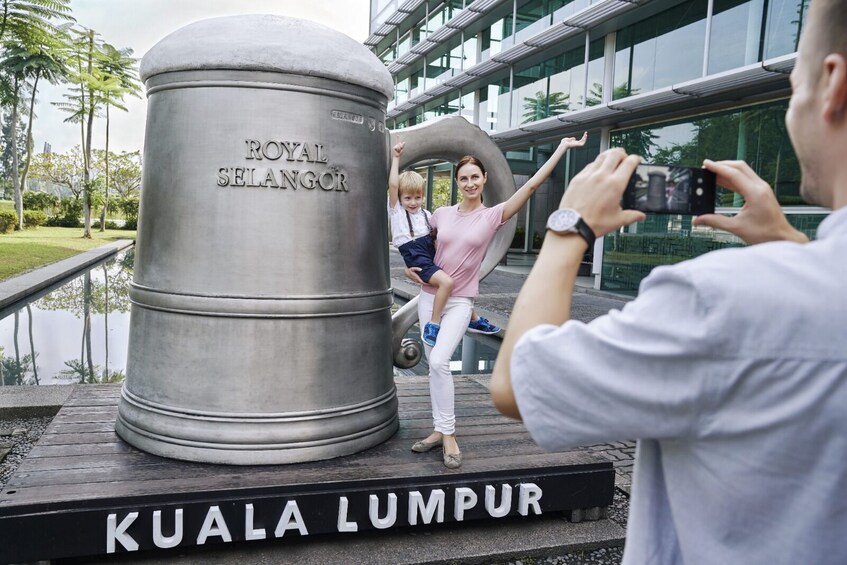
[
  {"x": 410, "y": 182},
  {"x": 830, "y": 26}
]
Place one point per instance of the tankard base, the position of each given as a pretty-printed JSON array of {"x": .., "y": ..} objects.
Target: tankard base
[{"x": 255, "y": 441}]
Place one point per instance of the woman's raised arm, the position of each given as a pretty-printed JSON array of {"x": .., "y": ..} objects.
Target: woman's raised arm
[{"x": 521, "y": 197}]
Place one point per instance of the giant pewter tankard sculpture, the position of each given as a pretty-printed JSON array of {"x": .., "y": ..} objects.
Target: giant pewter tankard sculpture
[{"x": 261, "y": 329}]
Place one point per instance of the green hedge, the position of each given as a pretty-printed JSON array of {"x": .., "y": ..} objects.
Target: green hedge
[
  {"x": 39, "y": 200},
  {"x": 34, "y": 218},
  {"x": 8, "y": 221}
]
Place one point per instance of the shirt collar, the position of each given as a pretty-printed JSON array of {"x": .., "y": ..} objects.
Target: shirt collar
[{"x": 834, "y": 224}]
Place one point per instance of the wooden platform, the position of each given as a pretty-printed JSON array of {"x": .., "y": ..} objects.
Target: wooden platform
[{"x": 83, "y": 491}]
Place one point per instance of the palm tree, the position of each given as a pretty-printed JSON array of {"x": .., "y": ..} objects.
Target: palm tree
[
  {"x": 14, "y": 67},
  {"x": 83, "y": 104},
  {"x": 45, "y": 61},
  {"x": 543, "y": 106},
  {"x": 20, "y": 17},
  {"x": 119, "y": 64}
]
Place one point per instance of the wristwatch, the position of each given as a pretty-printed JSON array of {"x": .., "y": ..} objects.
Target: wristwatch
[{"x": 568, "y": 220}]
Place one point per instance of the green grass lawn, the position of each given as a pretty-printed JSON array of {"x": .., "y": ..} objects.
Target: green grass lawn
[
  {"x": 7, "y": 205},
  {"x": 23, "y": 251}
]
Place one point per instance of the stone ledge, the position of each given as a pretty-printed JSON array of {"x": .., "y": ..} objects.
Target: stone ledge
[
  {"x": 32, "y": 401},
  {"x": 19, "y": 287}
]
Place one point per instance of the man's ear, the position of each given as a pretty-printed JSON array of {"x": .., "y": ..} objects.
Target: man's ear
[{"x": 835, "y": 88}]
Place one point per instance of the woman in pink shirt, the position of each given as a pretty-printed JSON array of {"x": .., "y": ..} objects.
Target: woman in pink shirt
[{"x": 464, "y": 232}]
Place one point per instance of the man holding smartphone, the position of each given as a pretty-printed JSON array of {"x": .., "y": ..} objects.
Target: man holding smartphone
[{"x": 730, "y": 369}]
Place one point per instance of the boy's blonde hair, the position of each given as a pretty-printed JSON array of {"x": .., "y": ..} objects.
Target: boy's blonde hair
[{"x": 410, "y": 182}]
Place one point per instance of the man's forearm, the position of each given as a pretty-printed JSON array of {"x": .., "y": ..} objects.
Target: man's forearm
[{"x": 544, "y": 299}]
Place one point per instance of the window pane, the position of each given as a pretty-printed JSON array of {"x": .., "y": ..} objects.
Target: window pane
[
  {"x": 467, "y": 107},
  {"x": 736, "y": 32},
  {"x": 549, "y": 88},
  {"x": 661, "y": 50},
  {"x": 471, "y": 57},
  {"x": 493, "y": 106},
  {"x": 755, "y": 134},
  {"x": 596, "y": 72},
  {"x": 782, "y": 29},
  {"x": 492, "y": 37}
]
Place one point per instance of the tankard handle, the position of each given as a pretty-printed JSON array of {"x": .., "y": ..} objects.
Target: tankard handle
[{"x": 449, "y": 139}]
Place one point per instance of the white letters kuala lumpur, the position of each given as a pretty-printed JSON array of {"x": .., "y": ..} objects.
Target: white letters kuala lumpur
[{"x": 420, "y": 509}]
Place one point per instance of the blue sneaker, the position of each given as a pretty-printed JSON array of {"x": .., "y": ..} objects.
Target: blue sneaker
[
  {"x": 483, "y": 326},
  {"x": 430, "y": 333}
]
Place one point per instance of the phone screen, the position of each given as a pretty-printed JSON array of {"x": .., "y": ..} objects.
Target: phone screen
[{"x": 671, "y": 189}]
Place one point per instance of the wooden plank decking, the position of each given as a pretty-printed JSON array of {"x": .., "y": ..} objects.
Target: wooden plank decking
[{"x": 59, "y": 501}]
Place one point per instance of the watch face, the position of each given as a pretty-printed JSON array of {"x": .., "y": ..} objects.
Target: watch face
[{"x": 563, "y": 220}]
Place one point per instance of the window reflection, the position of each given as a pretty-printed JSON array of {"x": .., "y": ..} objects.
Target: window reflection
[
  {"x": 662, "y": 50},
  {"x": 755, "y": 134},
  {"x": 782, "y": 29},
  {"x": 494, "y": 106},
  {"x": 735, "y": 35},
  {"x": 552, "y": 87}
]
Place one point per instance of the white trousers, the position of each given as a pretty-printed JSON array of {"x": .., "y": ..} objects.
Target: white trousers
[{"x": 454, "y": 324}]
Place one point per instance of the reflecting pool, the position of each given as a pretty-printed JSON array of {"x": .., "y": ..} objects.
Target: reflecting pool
[{"x": 78, "y": 331}]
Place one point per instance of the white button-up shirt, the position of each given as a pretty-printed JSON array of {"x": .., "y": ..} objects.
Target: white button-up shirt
[{"x": 731, "y": 371}]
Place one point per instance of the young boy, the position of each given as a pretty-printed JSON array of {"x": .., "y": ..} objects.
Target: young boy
[{"x": 410, "y": 232}]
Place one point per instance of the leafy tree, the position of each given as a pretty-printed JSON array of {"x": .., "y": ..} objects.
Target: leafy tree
[
  {"x": 43, "y": 201},
  {"x": 13, "y": 147},
  {"x": 124, "y": 172},
  {"x": 16, "y": 371},
  {"x": 28, "y": 37},
  {"x": 20, "y": 17},
  {"x": 83, "y": 103},
  {"x": 13, "y": 67},
  {"x": 119, "y": 64},
  {"x": 45, "y": 61},
  {"x": 441, "y": 189},
  {"x": 63, "y": 169},
  {"x": 543, "y": 106}
]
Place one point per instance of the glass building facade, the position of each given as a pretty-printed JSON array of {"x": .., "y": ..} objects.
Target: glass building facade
[{"x": 674, "y": 81}]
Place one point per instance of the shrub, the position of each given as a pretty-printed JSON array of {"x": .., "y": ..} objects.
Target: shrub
[
  {"x": 70, "y": 211},
  {"x": 518, "y": 240},
  {"x": 8, "y": 221},
  {"x": 129, "y": 207},
  {"x": 34, "y": 218},
  {"x": 39, "y": 200}
]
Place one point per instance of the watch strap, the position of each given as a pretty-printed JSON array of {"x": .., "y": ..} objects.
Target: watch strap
[{"x": 586, "y": 232}]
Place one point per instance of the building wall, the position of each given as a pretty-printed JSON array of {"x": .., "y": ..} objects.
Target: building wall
[{"x": 674, "y": 81}]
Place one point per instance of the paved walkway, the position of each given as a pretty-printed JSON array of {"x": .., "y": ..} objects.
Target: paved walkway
[{"x": 497, "y": 294}]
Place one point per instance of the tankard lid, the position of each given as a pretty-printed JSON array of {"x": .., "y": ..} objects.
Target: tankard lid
[{"x": 268, "y": 43}]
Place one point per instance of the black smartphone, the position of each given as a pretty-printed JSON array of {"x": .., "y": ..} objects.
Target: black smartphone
[{"x": 670, "y": 189}]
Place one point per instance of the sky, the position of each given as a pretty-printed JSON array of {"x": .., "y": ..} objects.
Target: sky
[{"x": 139, "y": 25}]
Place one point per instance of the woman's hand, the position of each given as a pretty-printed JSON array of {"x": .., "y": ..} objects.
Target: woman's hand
[
  {"x": 412, "y": 274},
  {"x": 569, "y": 142},
  {"x": 596, "y": 192},
  {"x": 760, "y": 219}
]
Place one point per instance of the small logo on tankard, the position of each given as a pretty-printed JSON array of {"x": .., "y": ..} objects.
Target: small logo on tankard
[
  {"x": 381, "y": 127},
  {"x": 347, "y": 116},
  {"x": 371, "y": 123}
]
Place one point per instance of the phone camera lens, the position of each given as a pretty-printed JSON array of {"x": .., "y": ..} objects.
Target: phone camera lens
[
  {"x": 699, "y": 180},
  {"x": 699, "y": 191}
]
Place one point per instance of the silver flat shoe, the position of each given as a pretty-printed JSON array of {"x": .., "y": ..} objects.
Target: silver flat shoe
[
  {"x": 424, "y": 446},
  {"x": 453, "y": 460}
]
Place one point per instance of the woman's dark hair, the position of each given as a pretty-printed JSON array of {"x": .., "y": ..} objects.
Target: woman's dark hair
[{"x": 469, "y": 160}]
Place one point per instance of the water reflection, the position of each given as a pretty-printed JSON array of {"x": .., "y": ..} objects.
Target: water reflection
[{"x": 76, "y": 333}]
